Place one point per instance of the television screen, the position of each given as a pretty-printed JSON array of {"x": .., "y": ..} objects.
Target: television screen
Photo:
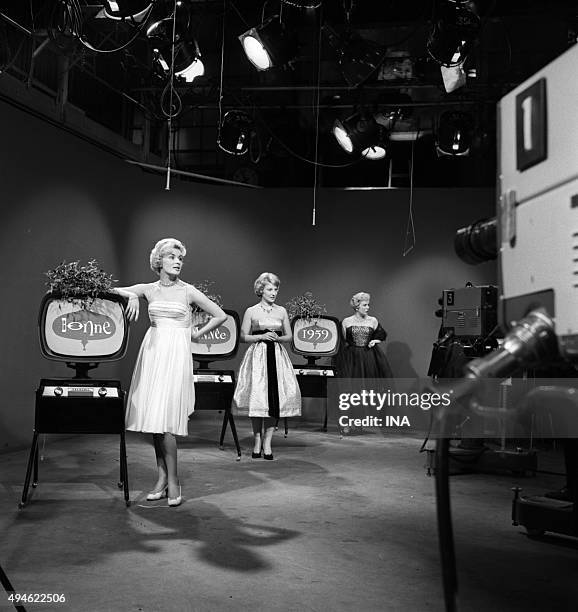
[
  {"x": 317, "y": 337},
  {"x": 220, "y": 343},
  {"x": 69, "y": 332}
]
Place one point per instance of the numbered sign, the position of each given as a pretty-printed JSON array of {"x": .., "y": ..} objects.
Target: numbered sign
[
  {"x": 316, "y": 336},
  {"x": 531, "y": 126},
  {"x": 218, "y": 343}
]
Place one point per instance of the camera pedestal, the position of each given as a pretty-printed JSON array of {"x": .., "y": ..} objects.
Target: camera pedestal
[
  {"x": 487, "y": 460},
  {"x": 539, "y": 514}
]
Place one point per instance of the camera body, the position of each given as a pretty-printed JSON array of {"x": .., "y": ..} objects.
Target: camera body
[
  {"x": 470, "y": 312},
  {"x": 537, "y": 209}
]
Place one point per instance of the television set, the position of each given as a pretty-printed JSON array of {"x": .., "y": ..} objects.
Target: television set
[
  {"x": 315, "y": 338},
  {"x": 219, "y": 344},
  {"x": 73, "y": 334}
]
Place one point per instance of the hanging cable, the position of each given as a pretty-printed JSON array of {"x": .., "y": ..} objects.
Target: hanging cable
[
  {"x": 317, "y": 94},
  {"x": 410, "y": 229},
  {"x": 222, "y": 69},
  {"x": 301, "y": 157},
  {"x": 170, "y": 117}
]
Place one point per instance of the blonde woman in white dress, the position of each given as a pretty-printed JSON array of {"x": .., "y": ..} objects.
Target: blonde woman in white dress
[{"x": 162, "y": 393}]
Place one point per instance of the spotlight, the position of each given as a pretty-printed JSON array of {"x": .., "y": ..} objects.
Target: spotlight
[
  {"x": 126, "y": 9},
  {"x": 454, "y": 33},
  {"x": 268, "y": 44},
  {"x": 361, "y": 134},
  {"x": 358, "y": 58},
  {"x": 235, "y": 132},
  {"x": 160, "y": 27},
  {"x": 375, "y": 152},
  {"x": 304, "y": 4},
  {"x": 188, "y": 63},
  {"x": 454, "y": 135}
]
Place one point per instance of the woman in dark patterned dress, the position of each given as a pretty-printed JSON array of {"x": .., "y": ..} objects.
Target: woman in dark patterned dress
[{"x": 360, "y": 355}]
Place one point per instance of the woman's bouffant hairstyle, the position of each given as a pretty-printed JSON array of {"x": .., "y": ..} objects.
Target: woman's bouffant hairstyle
[
  {"x": 160, "y": 248},
  {"x": 266, "y": 277},
  {"x": 358, "y": 298}
]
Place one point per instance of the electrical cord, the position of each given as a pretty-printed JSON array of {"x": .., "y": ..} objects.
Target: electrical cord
[
  {"x": 175, "y": 101},
  {"x": 428, "y": 433},
  {"x": 301, "y": 157}
]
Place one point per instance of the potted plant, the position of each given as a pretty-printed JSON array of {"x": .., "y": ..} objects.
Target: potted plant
[
  {"x": 79, "y": 285},
  {"x": 200, "y": 316},
  {"x": 315, "y": 334},
  {"x": 305, "y": 306}
]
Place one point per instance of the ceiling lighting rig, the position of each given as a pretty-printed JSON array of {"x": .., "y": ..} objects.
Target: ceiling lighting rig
[
  {"x": 114, "y": 25},
  {"x": 236, "y": 133},
  {"x": 134, "y": 10},
  {"x": 454, "y": 32},
  {"x": 303, "y": 4},
  {"x": 122, "y": 21},
  {"x": 269, "y": 45},
  {"x": 365, "y": 133},
  {"x": 452, "y": 38},
  {"x": 358, "y": 58},
  {"x": 169, "y": 29},
  {"x": 358, "y": 134},
  {"x": 454, "y": 134}
]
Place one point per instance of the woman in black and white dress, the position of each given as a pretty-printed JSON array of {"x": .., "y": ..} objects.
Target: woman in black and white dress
[{"x": 267, "y": 387}]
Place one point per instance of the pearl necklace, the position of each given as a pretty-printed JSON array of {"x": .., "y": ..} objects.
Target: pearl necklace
[
  {"x": 267, "y": 310},
  {"x": 169, "y": 284}
]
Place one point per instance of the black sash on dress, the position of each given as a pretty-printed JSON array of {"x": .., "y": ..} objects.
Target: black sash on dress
[{"x": 272, "y": 385}]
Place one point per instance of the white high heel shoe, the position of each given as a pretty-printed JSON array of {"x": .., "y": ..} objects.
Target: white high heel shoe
[
  {"x": 156, "y": 495},
  {"x": 175, "y": 501}
]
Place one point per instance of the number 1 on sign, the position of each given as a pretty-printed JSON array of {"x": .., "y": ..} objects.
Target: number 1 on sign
[{"x": 527, "y": 122}]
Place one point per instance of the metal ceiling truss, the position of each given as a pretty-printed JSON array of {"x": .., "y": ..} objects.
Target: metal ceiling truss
[{"x": 115, "y": 100}]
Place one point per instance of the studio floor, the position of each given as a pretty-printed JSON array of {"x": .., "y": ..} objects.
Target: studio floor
[{"x": 332, "y": 524}]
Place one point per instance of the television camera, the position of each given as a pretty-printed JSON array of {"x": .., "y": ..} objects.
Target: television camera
[{"x": 535, "y": 237}]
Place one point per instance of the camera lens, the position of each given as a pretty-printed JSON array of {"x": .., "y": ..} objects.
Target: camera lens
[{"x": 477, "y": 242}]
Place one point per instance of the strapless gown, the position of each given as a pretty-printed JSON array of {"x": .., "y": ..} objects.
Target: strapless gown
[
  {"x": 357, "y": 360},
  {"x": 252, "y": 392},
  {"x": 162, "y": 392}
]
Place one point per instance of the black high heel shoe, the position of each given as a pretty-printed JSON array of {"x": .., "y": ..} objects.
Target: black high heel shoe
[
  {"x": 268, "y": 457},
  {"x": 256, "y": 455}
]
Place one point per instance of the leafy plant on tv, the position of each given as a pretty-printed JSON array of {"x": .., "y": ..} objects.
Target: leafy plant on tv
[
  {"x": 79, "y": 284},
  {"x": 305, "y": 306},
  {"x": 204, "y": 286}
]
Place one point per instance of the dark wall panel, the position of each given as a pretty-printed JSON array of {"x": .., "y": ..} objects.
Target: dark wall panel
[{"x": 64, "y": 199}]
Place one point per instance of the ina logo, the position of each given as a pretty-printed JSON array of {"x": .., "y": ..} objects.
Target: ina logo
[{"x": 84, "y": 325}]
